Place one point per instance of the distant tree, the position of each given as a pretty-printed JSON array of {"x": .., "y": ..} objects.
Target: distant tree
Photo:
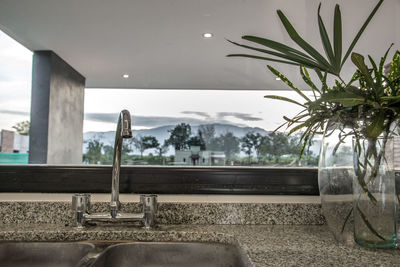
[
  {"x": 93, "y": 153},
  {"x": 108, "y": 154},
  {"x": 276, "y": 144},
  {"x": 252, "y": 140},
  {"x": 207, "y": 132},
  {"x": 246, "y": 145},
  {"x": 180, "y": 136},
  {"x": 309, "y": 159},
  {"x": 197, "y": 141},
  {"x": 22, "y": 127},
  {"x": 227, "y": 143},
  {"x": 257, "y": 139},
  {"x": 294, "y": 145},
  {"x": 143, "y": 143},
  {"x": 126, "y": 148},
  {"x": 162, "y": 149}
]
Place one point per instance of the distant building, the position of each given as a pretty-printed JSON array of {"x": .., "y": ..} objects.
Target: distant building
[
  {"x": 195, "y": 157},
  {"x": 7, "y": 141},
  {"x": 10, "y": 142},
  {"x": 13, "y": 148}
]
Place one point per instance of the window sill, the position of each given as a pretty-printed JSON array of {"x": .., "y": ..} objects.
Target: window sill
[
  {"x": 253, "y": 199},
  {"x": 160, "y": 180}
]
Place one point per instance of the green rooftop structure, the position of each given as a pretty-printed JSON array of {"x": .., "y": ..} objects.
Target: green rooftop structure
[{"x": 13, "y": 158}]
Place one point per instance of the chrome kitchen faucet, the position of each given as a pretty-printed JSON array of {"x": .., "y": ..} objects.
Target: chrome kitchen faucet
[{"x": 81, "y": 202}]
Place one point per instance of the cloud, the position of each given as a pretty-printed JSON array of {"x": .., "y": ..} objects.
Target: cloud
[
  {"x": 14, "y": 112},
  {"x": 222, "y": 115},
  {"x": 156, "y": 121},
  {"x": 199, "y": 113},
  {"x": 150, "y": 121},
  {"x": 241, "y": 116}
]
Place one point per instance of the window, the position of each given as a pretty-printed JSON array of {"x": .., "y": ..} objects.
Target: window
[
  {"x": 223, "y": 128},
  {"x": 219, "y": 122},
  {"x": 15, "y": 97},
  {"x": 230, "y": 130},
  {"x": 210, "y": 114}
]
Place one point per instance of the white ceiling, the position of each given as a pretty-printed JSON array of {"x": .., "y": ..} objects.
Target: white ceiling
[{"x": 160, "y": 44}]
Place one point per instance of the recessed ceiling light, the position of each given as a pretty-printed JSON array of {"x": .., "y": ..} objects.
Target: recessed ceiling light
[
  {"x": 207, "y": 35},
  {"x": 125, "y": 76},
  {"x": 277, "y": 78}
]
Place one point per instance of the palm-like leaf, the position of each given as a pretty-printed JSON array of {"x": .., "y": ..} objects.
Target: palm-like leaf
[
  {"x": 360, "y": 32},
  {"x": 293, "y": 57},
  {"x": 325, "y": 39},
  {"x": 265, "y": 58},
  {"x": 310, "y": 58},
  {"x": 302, "y": 43},
  {"x": 337, "y": 37}
]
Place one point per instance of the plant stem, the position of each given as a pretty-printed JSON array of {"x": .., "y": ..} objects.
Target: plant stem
[
  {"x": 347, "y": 218},
  {"x": 372, "y": 143},
  {"x": 341, "y": 80}
]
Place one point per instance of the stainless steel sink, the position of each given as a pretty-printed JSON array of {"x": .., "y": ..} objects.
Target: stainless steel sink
[
  {"x": 171, "y": 254},
  {"x": 43, "y": 254},
  {"x": 120, "y": 254}
]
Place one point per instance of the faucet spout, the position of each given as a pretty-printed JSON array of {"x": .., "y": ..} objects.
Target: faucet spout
[{"x": 123, "y": 131}]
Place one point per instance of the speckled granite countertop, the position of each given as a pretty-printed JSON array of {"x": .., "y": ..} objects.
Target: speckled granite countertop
[
  {"x": 172, "y": 213},
  {"x": 266, "y": 245},
  {"x": 272, "y": 234}
]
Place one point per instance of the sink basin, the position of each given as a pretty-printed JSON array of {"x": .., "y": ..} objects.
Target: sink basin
[
  {"x": 117, "y": 254},
  {"x": 171, "y": 254},
  {"x": 43, "y": 254}
]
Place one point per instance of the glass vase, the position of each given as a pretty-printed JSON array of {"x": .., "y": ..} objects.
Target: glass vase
[
  {"x": 335, "y": 179},
  {"x": 374, "y": 198}
]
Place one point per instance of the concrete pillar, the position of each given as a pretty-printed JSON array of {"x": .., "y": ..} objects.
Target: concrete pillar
[
  {"x": 7, "y": 141},
  {"x": 56, "y": 130}
]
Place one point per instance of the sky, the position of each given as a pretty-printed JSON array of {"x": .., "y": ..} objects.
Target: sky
[
  {"x": 150, "y": 108},
  {"x": 15, "y": 82}
]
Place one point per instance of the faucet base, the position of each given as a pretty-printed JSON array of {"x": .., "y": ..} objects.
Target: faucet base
[
  {"x": 81, "y": 203},
  {"x": 107, "y": 217}
]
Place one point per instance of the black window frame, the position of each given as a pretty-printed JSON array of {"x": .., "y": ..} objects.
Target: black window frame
[{"x": 160, "y": 180}]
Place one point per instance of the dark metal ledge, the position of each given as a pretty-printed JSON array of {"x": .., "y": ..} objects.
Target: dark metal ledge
[{"x": 160, "y": 180}]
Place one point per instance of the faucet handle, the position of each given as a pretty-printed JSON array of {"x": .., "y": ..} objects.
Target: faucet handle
[
  {"x": 81, "y": 202},
  {"x": 80, "y": 205},
  {"x": 149, "y": 203},
  {"x": 149, "y": 208}
]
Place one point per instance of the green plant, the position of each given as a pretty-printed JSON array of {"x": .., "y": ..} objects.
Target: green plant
[{"x": 369, "y": 108}]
